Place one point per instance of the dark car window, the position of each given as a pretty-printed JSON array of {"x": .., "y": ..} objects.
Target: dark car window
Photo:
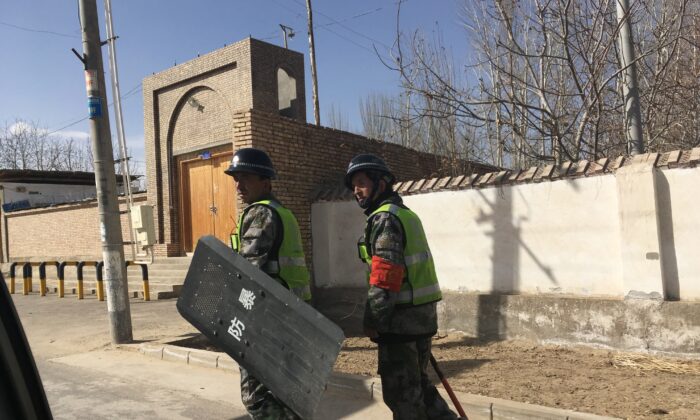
[{"x": 21, "y": 392}]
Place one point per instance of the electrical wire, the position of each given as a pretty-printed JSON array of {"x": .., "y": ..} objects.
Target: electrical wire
[
  {"x": 325, "y": 26},
  {"x": 335, "y": 21},
  {"x": 131, "y": 92},
  {"x": 41, "y": 31},
  {"x": 349, "y": 40}
]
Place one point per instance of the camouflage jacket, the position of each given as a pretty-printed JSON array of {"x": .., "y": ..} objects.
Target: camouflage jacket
[
  {"x": 261, "y": 236},
  {"x": 385, "y": 238}
]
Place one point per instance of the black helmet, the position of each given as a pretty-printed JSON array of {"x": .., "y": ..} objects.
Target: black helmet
[
  {"x": 253, "y": 161},
  {"x": 368, "y": 162}
]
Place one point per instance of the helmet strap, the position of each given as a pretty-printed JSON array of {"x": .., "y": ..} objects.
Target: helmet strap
[
  {"x": 366, "y": 202},
  {"x": 374, "y": 195}
]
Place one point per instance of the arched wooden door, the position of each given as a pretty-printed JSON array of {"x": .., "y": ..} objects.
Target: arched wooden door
[{"x": 208, "y": 200}]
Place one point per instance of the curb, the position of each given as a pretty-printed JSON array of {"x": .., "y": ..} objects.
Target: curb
[
  {"x": 361, "y": 387},
  {"x": 195, "y": 357}
]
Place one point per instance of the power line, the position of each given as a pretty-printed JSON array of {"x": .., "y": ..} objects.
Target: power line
[
  {"x": 348, "y": 39},
  {"x": 289, "y": 9},
  {"x": 335, "y": 21},
  {"x": 67, "y": 126},
  {"x": 271, "y": 35},
  {"x": 41, "y": 31},
  {"x": 369, "y": 12},
  {"x": 124, "y": 96}
]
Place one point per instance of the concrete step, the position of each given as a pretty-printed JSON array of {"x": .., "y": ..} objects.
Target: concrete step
[
  {"x": 177, "y": 266},
  {"x": 173, "y": 259},
  {"x": 162, "y": 272},
  {"x": 164, "y": 266},
  {"x": 165, "y": 280}
]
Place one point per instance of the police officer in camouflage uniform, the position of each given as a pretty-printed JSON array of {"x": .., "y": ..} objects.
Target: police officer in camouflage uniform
[
  {"x": 400, "y": 312},
  {"x": 267, "y": 236}
]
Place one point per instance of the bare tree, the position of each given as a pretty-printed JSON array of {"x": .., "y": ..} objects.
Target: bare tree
[
  {"x": 25, "y": 145},
  {"x": 544, "y": 81},
  {"x": 336, "y": 119},
  {"x": 376, "y": 114},
  {"x": 21, "y": 144}
]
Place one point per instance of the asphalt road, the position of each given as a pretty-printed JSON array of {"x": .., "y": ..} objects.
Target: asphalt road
[{"x": 85, "y": 377}]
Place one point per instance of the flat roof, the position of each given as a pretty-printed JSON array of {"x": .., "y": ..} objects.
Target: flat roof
[{"x": 33, "y": 176}]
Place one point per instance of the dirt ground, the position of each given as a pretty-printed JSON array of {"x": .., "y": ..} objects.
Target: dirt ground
[
  {"x": 590, "y": 380},
  {"x": 605, "y": 382}
]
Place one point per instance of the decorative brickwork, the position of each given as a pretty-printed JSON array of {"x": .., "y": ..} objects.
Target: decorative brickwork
[
  {"x": 566, "y": 170},
  {"x": 190, "y": 108}
]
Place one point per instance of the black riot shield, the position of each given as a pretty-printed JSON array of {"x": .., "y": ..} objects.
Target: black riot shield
[{"x": 281, "y": 340}]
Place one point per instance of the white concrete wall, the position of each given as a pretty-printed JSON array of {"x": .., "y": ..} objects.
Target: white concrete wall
[
  {"x": 528, "y": 238},
  {"x": 598, "y": 236},
  {"x": 336, "y": 227},
  {"x": 681, "y": 243}
]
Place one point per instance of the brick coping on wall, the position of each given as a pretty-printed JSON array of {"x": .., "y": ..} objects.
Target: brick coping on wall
[
  {"x": 534, "y": 174},
  {"x": 247, "y": 115}
]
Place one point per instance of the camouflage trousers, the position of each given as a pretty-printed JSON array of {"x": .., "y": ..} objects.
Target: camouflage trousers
[
  {"x": 405, "y": 384},
  {"x": 260, "y": 402}
]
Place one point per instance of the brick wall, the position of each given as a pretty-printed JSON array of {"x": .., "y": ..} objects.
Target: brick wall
[
  {"x": 69, "y": 231},
  {"x": 190, "y": 107},
  {"x": 267, "y": 59},
  {"x": 308, "y": 158}
]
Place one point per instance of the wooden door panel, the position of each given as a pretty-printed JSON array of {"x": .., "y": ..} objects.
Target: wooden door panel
[
  {"x": 224, "y": 192},
  {"x": 197, "y": 189}
]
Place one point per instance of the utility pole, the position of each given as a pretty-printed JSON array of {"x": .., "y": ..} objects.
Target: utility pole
[
  {"x": 105, "y": 178},
  {"x": 630, "y": 91},
  {"x": 312, "y": 58},
  {"x": 116, "y": 95},
  {"x": 285, "y": 33}
]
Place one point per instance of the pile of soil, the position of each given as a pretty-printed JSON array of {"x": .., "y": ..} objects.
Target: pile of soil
[{"x": 604, "y": 382}]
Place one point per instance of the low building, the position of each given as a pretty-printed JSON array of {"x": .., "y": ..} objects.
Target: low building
[{"x": 28, "y": 188}]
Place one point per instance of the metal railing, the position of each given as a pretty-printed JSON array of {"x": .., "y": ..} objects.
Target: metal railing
[
  {"x": 42, "y": 274},
  {"x": 60, "y": 273},
  {"x": 61, "y": 276},
  {"x": 144, "y": 278},
  {"x": 98, "y": 278}
]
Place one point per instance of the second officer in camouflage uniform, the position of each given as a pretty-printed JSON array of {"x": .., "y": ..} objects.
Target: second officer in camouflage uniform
[
  {"x": 400, "y": 312},
  {"x": 260, "y": 239}
]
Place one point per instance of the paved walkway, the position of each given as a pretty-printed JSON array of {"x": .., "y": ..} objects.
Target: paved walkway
[{"x": 86, "y": 377}]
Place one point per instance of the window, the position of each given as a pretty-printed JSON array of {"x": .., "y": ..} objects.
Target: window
[{"x": 286, "y": 94}]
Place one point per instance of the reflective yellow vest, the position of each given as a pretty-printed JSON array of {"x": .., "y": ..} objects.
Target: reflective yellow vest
[
  {"x": 290, "y": 265},
  {"x": 420, "y": 284}
]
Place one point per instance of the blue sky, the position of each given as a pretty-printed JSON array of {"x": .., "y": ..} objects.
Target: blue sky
[{"x": 42, "y": 81}]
